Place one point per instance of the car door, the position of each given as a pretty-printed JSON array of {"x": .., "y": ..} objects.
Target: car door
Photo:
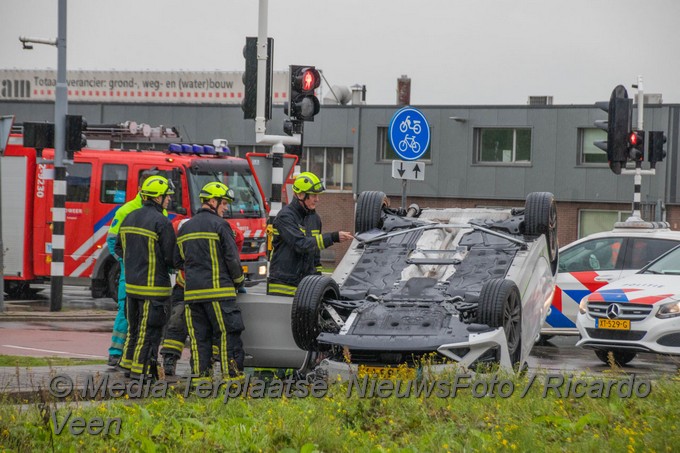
[{"x": 584, "y": 268}]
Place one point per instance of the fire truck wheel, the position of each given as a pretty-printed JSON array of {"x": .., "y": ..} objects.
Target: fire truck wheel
[
  {"x": 112, "y": 277},
  {"x": 20, "y": 290}
]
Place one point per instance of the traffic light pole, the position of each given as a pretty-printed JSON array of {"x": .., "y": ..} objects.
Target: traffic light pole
[
  {"x": 636, "y": 216},
  {"x": 277, "y": 141}
]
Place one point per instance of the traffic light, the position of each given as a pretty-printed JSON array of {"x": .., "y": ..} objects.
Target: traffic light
[
  {"x": 636, "y": 141},
  {"x": 249, "y": 103},
  {"x": 618, "y": 127},
  {"x": 303, "y": 103},
  {"x": 656, "y": 152},
  {"x": 291, "y": 127},
  {"x": 74, "y": 134}
]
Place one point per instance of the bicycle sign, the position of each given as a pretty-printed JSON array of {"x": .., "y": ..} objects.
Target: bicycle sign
[{"x": 409, "y": 133}]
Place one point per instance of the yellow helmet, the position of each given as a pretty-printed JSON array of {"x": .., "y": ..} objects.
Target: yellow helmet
[
  {"x": 308, "y": 182},
  {"x": 157, "y": 186},
  {"x": 217, "y": 190}
]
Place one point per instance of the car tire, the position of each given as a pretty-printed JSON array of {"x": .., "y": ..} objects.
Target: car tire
[
  {"x": 540, "y": 217},
  {"x": 500, "y": 305},
  {"x": 307, "y": 309},
  {"x": 369, "y": 211},
  {"x": 112, "y": 279},
  {"x": 621, "y": 358}
]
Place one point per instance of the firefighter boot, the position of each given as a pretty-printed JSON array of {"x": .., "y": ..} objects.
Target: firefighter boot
[{"x": 169, "y": 364}]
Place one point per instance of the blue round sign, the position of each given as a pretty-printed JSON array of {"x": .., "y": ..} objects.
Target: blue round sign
[{"x": 409, "y": 133}]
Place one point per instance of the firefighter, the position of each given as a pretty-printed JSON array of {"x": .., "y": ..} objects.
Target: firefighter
[
  {"x": 207, "y": 252},
  {"x": 146, "y": 242},
  {"x": 298, "y": 239},
  {"x": 120, "y": 325},
  {"x": 176, "y": 332}
]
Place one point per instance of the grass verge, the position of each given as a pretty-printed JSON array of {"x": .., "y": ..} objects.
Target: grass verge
[
  {"x": 24, "y": 362},
  {"x": 471, "y": 420}
]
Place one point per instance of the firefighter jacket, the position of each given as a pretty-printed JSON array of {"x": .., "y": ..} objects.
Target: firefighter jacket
[
  {"x": 146, "y": 241},
  {"x": 207, "y": 252},
  {"x": 296, "y": 246}
]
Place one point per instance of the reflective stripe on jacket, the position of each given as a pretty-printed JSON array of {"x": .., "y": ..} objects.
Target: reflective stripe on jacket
[
  {"x": 207, "y": 252},
  {"x": 146, "y": 241}
]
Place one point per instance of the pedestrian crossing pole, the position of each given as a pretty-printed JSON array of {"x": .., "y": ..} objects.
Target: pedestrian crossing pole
[{"x": 59, "y": 186}]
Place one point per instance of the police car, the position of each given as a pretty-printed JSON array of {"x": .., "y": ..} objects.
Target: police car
[
  {"x": 592, "y": 262},
  {"x": 639, "y": 313}
]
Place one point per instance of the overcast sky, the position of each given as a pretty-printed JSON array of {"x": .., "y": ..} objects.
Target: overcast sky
[{"x": 455, "y": 51}]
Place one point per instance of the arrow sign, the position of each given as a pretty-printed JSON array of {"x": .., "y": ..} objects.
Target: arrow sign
[{"x": 413, "y": 170}]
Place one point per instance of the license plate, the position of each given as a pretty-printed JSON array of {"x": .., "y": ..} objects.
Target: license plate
[
  {"x": 245, "y": 269},
  {"x": 612, "y": 324},
  {"x": 388, "y": 372}
]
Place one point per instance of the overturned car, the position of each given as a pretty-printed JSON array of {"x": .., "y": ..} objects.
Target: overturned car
[{"x": 455, "y": 285}]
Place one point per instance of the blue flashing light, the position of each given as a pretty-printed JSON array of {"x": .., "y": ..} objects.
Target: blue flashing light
[
  {"x": 208, "y": 149},
  {"x": 186, "y": 148},
  {"x": 197, "y": 149},
  {"x": 175, "y": 148}
]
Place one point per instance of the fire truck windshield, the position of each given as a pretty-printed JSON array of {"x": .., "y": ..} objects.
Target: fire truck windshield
[{"x": 247, "y": 203}]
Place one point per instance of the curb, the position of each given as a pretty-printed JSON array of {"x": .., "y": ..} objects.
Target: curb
[{"x": 51, "y": 316}]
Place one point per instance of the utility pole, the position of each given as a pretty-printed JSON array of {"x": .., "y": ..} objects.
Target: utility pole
[
  {"x": 59, "y": 182},
  {"x": 277, "y": 141}
]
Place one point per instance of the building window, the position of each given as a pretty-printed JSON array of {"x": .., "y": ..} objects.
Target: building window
[
  {"x": 387, "y": 153},
  {"x": 333, "y": 165},
  {"x": 114, "y": 184},
  {"x": 589, "y": 153},
  {"x": 594, "y": 221},
  {"x": 78, "y": 182},
  {"x": 503, "y": 145}
]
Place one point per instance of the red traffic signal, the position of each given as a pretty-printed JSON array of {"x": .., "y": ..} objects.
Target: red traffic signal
[
  {"x": 305, "y": 79},
  {"x": 636, "y": 144},
  {"x": 636, "y": 139},
  {"x": 303, "y": 102}
]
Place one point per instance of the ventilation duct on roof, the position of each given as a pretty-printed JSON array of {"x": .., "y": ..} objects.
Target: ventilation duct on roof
[{"x": 339, "y": 95}]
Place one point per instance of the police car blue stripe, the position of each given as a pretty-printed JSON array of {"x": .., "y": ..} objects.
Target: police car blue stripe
[{"x": 557, "y": 319}]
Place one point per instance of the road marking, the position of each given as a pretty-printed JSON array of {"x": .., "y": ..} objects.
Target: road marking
[{"x": 52, "y": 351}]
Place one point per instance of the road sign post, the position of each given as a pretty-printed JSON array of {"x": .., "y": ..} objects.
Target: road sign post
[{"x": 409, "y": 136}]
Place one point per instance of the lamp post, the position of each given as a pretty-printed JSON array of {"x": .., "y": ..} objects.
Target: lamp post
[{"x": 59, "y": 183}]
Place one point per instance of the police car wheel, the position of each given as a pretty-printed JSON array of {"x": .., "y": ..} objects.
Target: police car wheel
[
  {"x": 369, "y": 211},
  {"x": 307, "y": 315},
  {"x": 540, "y": 217},
  {"x": 620, "y": 357},
  {"x": 500, "y": 305}
]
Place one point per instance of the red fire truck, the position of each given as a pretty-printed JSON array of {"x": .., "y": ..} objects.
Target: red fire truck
[{"x": 98, "y": 182}]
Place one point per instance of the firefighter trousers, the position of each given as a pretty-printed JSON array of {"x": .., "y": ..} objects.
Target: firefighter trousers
[
  {"x": 120, "y": 325},
  {"x": 146, "y": 319},
  {"x": 220, "y": 320},
  {"x": 175, "y": 331}
]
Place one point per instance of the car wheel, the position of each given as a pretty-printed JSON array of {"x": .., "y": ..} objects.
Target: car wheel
[
  {"x": 369, "y": 211},
  {"x": 620, "y": 357},
  {"x": 112, "y": 278},
  {"x": 307, "y": 315},
  {"x": 500, "y": 305},
  {"x": 540, "y": 217}
]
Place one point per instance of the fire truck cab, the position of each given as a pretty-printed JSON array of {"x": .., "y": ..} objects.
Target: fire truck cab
[{"x": 99, "y": 181}]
